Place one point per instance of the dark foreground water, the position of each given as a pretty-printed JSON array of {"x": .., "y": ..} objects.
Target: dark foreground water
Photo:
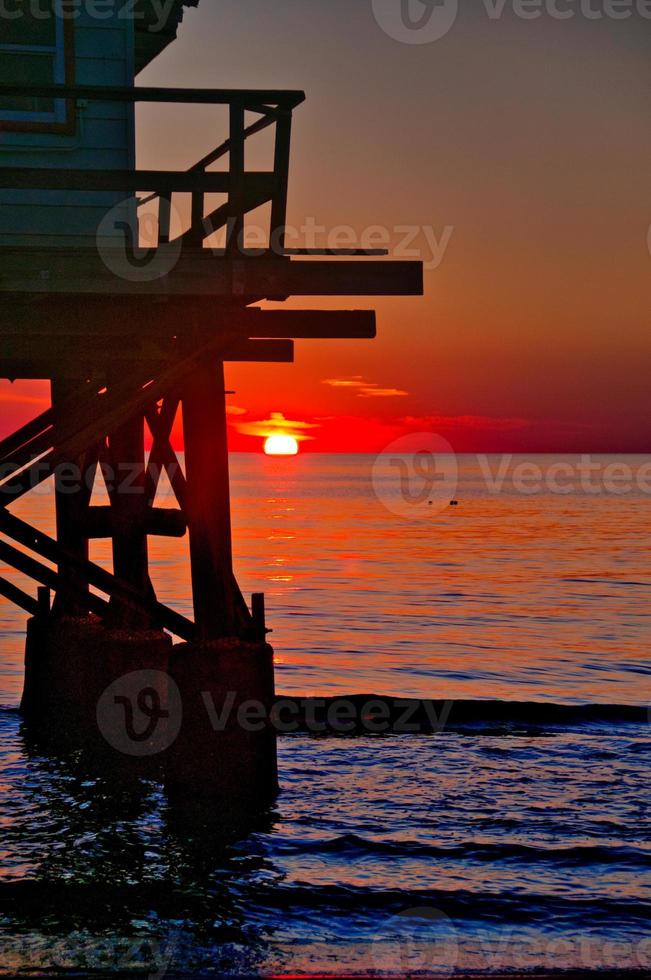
[
  {"x": 508, "y": 847},
  {"x": 383, "y": 855}
]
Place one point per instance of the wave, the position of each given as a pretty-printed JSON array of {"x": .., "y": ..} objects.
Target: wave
[
  {"x": 386, "y": 714},
  {"x": 579, "y": 855},
  {"x": 34, "y": 899},
  {"x": 378, "y": 714},
  {"x": 456, "y": 904}
]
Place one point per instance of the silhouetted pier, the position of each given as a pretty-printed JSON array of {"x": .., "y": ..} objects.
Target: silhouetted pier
[{"x": 128, "y": 352}]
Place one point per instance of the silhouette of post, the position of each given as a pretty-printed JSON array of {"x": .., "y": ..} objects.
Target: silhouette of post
[{"x": 208, "y": 501}]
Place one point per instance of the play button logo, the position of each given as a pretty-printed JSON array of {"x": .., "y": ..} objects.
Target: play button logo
[{"x": 416, "y": 21}]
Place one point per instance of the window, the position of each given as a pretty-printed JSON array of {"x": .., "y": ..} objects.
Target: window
[{"x": 36, "y": 49}]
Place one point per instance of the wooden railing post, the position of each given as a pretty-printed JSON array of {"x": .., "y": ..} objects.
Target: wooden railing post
[
  {"x": 197, "y": 230},
  {"x": 281, "y": 170},
  {"x": 235, "y": 226},
  {"x": 164, "y": 218}
]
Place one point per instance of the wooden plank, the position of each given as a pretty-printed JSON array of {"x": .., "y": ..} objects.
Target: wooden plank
[
  {"x": 164, "y": 522},
  {"x": 281, "y": 168},
  {"x": 160, "y": 181},
  {"x": 18, "y": 597},
  {"x": 66, "y": 362},
  {"x": 238, "y": 187},
  {"x": 261, "y": 351},
  {"x": 87, "y": 322},
  {"x": 306, "y": 324},
  {"x": 360, "y": 253},
  {"x": 199, "y": 272},
  {"x": 334, "y": 278},
  {"x": 289, "y": 98},
  {"x": 84, "y": 323}
]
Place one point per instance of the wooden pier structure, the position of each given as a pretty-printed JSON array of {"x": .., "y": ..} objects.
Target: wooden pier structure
[{"x": 127, "y": 345}]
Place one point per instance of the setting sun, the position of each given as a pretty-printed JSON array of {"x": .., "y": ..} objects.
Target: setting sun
[{"x": 279, "y": 445}]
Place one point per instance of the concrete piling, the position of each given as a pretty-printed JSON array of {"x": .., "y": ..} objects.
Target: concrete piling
[{"x": 226, "y": 747}]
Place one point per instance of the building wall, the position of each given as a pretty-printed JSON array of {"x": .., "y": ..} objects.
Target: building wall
[{"x": 104, "y": 139}]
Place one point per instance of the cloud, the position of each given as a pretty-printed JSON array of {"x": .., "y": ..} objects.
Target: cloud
[
  {"x": 364, "y": 388},
  {"x": 382, "y": 393},
  {"x": 276, "y": 424},
  {"x": 235, "y": 410},
  {"x": 481, "y": 423},
  {"x": 356, "y": 381}
]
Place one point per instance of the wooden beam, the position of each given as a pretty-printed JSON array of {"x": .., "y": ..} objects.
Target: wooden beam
[
  {"x": 261, "y": 351},
  {"x": 96, "y": 357},
  {"x": 65, "y": 587},
  {"x": 334, "y": 278},
  {"x": 18, "y": 597},
  {"x": 359, "y": 252},
  {"x": 47, "y": 548},
  {"x": 281, "y": 168},
  {"x": 289, "y": 98},
  {"x": 126, "y": 454},
  {"x": 162, "y": 456},
  {"x": 306, "y": 324},
  {"x": 200, "y": 273},
  {"x": 107, "y": 410},
  {"x": 164, "y": 522},
  {"x": 238, "y": 188},
  {"x": 14, "y": 442},
  {"x": 72, "y": 498},
  {"x": 160, "y": 181},
  {"x": 84, "y": 325},
  {"x": 208, "y": 502}
]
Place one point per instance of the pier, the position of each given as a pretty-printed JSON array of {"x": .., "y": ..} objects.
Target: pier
[{"x": 129, "y": 337}]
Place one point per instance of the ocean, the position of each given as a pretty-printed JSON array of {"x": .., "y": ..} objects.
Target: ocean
[{"x": 509, "y": 847}]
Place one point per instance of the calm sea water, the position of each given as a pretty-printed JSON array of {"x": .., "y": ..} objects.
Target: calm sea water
[{"x": 511, "y": 849}]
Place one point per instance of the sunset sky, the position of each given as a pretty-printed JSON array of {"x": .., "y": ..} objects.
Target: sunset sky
[{"x": 521, "y": 146}]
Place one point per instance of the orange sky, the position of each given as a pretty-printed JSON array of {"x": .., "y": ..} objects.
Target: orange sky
[{"x": 522, "y": 146}]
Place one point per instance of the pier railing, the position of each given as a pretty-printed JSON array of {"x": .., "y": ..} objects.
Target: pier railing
[{"x": 245, "y": 190}]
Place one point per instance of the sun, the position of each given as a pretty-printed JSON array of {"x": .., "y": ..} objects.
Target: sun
[{"x": 279, "y": 445}]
